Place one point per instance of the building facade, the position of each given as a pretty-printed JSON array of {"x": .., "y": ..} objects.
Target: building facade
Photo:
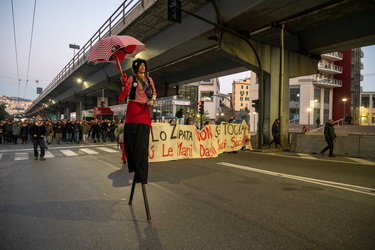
[
  {"x": 311, "y": 97},
  {"x": 367, "y": 108},
  {"x": 346, "y": 100}
]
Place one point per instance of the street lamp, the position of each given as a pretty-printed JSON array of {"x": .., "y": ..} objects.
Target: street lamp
[
  {"x": 308, "y": 119},
  {"x": 344, "y": 100}
]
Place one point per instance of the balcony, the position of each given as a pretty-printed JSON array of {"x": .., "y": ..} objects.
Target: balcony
[
  {"x": 324, "y": 81},
  {"x": 330, "y": 69},
  {"x": 335, "y": 56}
]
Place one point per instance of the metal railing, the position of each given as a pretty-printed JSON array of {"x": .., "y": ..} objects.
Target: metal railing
[
  {"x": 330, "y": 67},
  {"x": 336, "y": 55},
  {"x": 294, "y": 121},
  {"x": 342, "y": 120},
  {"x": 81, "y": 57},
  {"x": 323, "y": 80}
]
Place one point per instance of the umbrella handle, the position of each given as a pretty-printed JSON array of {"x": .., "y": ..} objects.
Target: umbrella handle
[{"x": 118, "y": 66}]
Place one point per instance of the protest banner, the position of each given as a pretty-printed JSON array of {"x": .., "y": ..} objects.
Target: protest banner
[{"x": 173, "y": 141}]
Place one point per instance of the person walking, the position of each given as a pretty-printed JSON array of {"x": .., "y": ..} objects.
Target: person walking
[
  {"x": 76, "y": 130},
  {"x": 57, "y": 130},
  {"x": 69, "y": 129},
  {"x": 49, "y": 133},
  {"x": 85, "y": 131},
  {"x": 317, "y": 122},
  {"x": 275, "y": 133},
  {"x": 142, "y": 95},
  {"x": 330, "y": 137},
  {"x": 24, "y": 133},
  {"x": 37, "y": 132},
  {"x": 95, "y": 131},
  {"x": 120, "y": 140},
  {"x": 16, "y": 130}
]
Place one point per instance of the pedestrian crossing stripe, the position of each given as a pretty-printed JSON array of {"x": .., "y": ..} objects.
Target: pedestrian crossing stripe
[
  {"x": 362, "y": 161},
  {"x": 107, "y": 150},
  {"x": 89, "y": 151},
  {"x": 21, "y": 156},
  {"x": 48, "y": 155},
  {"x": 68, "y": 152},
  {"x": 307, "y": 156}
]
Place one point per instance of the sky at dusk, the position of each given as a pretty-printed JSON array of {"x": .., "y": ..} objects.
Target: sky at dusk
[{"x": 60, "y": 23}]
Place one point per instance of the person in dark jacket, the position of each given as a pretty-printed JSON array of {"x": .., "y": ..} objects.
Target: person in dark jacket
[
  {"x": 77, "y": 129},
  {"x": 24, "y": 133},
  {"x": 57, "y": 130},
  {"x": 275, "y": 133},
  {"x": 69, "y": 129},
  {"x": 330, "y": 136},
  {"x": 37, "y": 132}
]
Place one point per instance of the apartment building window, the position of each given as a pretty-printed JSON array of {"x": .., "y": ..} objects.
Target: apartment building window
[
  {"x": 294, "y": 93},
  {"x": 373, "y": 101},
  {"x": 365, "y": 101},
  {"x": 326, "y": 96},
  {"x": 316, "y": 114},
  {"x": 326, "y": 116},
  {"x": 317, "y": 94}
]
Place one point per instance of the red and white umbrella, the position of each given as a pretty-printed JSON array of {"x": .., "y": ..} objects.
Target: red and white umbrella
[{"x": 115, "y": 49}]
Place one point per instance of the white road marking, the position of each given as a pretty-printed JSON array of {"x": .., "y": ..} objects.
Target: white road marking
[
  {"x": 21, "y": 156},
  {"x": 362, "y": 161},
  {"x": 48, "y": 155},
  {"x": 1, "y": 156},
  {"x": 89, "y": 151},
  {"x": 108, "y": 150},
  {"x": 68, "y": 152},
  {"x": 56, "y": 148},
  {"x": 348, "y": 187},
  {"x": 320, "y": 158},
  {"x": 307, "y": 156}
]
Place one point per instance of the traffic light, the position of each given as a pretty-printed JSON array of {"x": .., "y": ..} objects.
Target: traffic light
[
  {"x": 201, "y": 107},
  {"x": 174, "y": 10},
  {"x": 255, "y": 105}
]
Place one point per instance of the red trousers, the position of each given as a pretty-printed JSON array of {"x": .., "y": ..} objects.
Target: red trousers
[{"x": 122, "y": 146}]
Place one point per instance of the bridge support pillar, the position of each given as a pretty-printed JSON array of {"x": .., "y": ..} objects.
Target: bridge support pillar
[
  {"x": 276, "y": 91},
  {"x": 67, "y": 113},
  {"x": 79, "y": 107}
]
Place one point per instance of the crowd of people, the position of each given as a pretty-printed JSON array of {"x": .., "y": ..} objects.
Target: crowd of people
[{"x": 69, "y": 131}]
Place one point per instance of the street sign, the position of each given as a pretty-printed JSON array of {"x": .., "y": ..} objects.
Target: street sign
[{"x": 73, "y": 46}]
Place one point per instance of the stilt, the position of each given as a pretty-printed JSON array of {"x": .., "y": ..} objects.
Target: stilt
[
  {"x": 146, "y": 201},
  {"x": 132, "y": 192},
  {"x": 144, "y": 198}
]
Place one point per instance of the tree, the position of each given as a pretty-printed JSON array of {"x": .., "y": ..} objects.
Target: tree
[{"x": 3, "y": 113}]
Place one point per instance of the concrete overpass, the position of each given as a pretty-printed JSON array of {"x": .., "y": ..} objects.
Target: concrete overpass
[{"x": 288, "y": 36}]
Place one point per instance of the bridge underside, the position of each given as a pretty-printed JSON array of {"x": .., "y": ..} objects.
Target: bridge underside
[{"x": 194, "y": 50}]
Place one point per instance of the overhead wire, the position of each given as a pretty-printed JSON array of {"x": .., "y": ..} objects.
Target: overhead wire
[
  {"x": 31, "y": 42},
  {"x": 15, "y": 46}
]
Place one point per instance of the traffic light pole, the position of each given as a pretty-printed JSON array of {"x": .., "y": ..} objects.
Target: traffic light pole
[
  {"x": 261, "y": 83},
  {"x": 230, "y": 101}
]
